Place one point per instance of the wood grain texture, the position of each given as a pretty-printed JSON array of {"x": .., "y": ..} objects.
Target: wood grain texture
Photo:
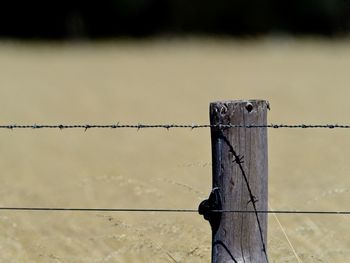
[{"x": 240, "y": 237}]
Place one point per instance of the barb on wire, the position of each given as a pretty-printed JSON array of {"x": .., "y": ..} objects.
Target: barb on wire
[
  {"x": 170, "y": 126},
  {"x": 169, "y": 210}
]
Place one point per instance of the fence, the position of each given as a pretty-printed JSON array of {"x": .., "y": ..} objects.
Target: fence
[{"x": 226, "y": 119}]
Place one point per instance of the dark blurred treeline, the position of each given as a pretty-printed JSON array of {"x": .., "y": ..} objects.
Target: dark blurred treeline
[{"x": 111, "y": 18}]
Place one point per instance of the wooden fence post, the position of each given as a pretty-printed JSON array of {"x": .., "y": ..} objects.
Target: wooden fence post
[{"x": 240, "y": 182}]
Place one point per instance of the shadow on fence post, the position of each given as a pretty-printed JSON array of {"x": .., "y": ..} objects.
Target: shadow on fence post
[{"x": 240, "y": 182}]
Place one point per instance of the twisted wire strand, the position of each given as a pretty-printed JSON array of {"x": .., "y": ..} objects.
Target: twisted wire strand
[{"x": 171, "y": 126}]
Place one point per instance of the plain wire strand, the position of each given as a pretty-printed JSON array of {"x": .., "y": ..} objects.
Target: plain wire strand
[{"x": 171, "y": 210}]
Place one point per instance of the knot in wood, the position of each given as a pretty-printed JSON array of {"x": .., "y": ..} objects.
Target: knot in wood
[{"x": 210, "y": 209}]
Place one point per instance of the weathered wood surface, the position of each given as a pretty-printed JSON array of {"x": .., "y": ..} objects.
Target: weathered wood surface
[{"x": 240, "y": 171}]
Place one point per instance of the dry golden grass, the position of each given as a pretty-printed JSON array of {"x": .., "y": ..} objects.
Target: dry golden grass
[{"x": 161, "y": 81}]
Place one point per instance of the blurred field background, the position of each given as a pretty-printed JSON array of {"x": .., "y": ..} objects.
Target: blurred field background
[
  {"x": 139, "y": 18},
  {"x": 165, "y": 81},
  {"x": 164, "y": 61}
]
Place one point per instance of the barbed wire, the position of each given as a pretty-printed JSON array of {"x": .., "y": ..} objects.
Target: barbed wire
[
  {"x": 171, "y": 126},
  {"x": 157, "y": 210}
]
